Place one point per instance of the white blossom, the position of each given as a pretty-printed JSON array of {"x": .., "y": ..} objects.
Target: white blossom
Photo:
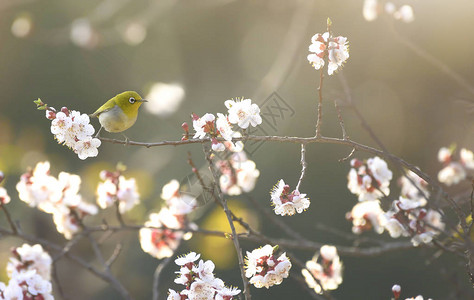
[
  {"x": 116, "y": 187},
  {"x": 238, "y": 174},
  {"x": 413, "y": 187},
  {"x": 224, "y": 127},
  {"x": 178, "y": 203},
  {"x": 371, "y": 179},
  {"x": 162, "y": 242},
  {"x": 453, "y": 173},
  {"x": 30, "y": 258},
  {"x": 445, "y": 154},
  {"x": 58, "y": 196},
  {"x": 173, "y": 295},
  {"x": 467, "y": 158},
  {"x": 264, "y": 269},
  {"x": 191, "y": 257},
  {"x": 328, "y": 271},
  {"x": 243, "y": 113},
  {"x": 335, "y": 48},
  {"x": 87, "y": 147},
  {"x": 287, "y": 203},
  {"x": 203, "y": 125},
  {"x": 74, "y": 130},
  {"x": 366, "y": 215},
  {"x": 199, "y": 281},
  {"x": 370, "y": 10}
]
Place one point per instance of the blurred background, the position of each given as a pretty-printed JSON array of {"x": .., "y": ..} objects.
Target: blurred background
[{"x": 191, "y": 56}]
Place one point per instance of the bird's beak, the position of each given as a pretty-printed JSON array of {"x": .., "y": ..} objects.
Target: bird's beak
[{"x": 143, "y": 100}]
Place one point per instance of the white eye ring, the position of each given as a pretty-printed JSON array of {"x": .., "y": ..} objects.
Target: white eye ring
[{"x": 132, "y": 100}]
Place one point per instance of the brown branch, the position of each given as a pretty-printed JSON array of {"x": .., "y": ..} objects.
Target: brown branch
[
  {"x": 230, "y": 219},
  {"x": 54, "y": 247},
  {"x": 9, "y": 218}
]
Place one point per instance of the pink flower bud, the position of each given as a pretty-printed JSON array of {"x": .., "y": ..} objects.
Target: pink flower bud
[
  {"x": 356, "y": 163},
  {"x": 185, "y": 127},
  {"x": 105, "y": 174},
  {"x": 2, "y": 176},
  {"x": 396, "y": 289},
  {"x": 50, "y": 115},
  {"x": 195, "y": 117},
  {"x": 65, "y": 110}
]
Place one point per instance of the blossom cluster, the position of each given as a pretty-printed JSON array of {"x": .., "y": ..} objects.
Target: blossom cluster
[
  {"x": 397, "y": 290},
  {"x": 336, "y": 49},
  {"x": 373, "y": 8},
  {"x": 164, "y": 230},
  {"x": 72, "y": 129},
  {"x": 242, "y": 112},
  {"x": 366, "y": 215},
  {"x": 370, "y": 179},
  {"x": 57, "y": 196},
  {"x": 263, "y": 267},
  {"x": 199, "y": 281},
  {"x": 324, "y": 271},
  {"x": 455, "y": 171},
  {"x": 407, "y": 215},
  {"x": 115, "y": 188},
  {"x": 29, "y": 271},
  {"x": 286, "y": 202},
  {"x": 238, "y": 174}
]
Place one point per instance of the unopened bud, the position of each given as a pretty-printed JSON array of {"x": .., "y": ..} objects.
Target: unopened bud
[
  {"x": 50, "y": 115},
  {"x": 2, "y": 176},
  {"x": 105, "y": 174},
  {"x": 396, "y": 289},
  {"x": 356, "y": 163},
  {"x": 185, "y": 127},
  {"x": 65, "y": 110},
  {"x": 194, "y": 116}
]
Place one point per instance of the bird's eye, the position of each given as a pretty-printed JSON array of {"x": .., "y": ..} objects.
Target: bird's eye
[{"x": 132, "y": 100}]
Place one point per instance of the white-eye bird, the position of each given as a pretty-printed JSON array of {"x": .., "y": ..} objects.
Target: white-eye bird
[{"x": 120, "y": 112}]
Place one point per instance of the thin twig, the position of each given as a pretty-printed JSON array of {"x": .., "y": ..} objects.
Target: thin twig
[
  {"x": 320, "y": 104},
  {"x": 59, "y": 287},
  {"x": 115, "y": 254},
  {"x": 348, "y": 156},
  {"x": 112, "y": 279},
  {"x": 303, "y": 166},
  {"x": 341, "y": 121},
  {"x": 433, "y": 60},
  {"x": 275, "y": 220},
  {"x": 156, "y": 277},
  {"x": 9, "y": 218}
]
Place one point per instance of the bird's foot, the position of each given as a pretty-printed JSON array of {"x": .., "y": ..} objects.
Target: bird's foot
[
  {"x": 126, "y": 140},
  {"x": 97, "y": 134}
]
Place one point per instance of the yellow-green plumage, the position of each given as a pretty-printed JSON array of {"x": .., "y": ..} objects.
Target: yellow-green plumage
[{"x": 120, "y": 112}]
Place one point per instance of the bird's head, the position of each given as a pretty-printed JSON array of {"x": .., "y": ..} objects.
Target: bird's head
[{"x": 129, "y": 101}]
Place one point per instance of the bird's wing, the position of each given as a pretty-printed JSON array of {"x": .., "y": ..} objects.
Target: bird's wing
[{"x": 104, "y": 108}]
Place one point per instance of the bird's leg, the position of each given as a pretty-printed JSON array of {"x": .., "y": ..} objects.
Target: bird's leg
[
  {"x": 97, "y": 134},
  {"x": 126, "y": 139}
]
